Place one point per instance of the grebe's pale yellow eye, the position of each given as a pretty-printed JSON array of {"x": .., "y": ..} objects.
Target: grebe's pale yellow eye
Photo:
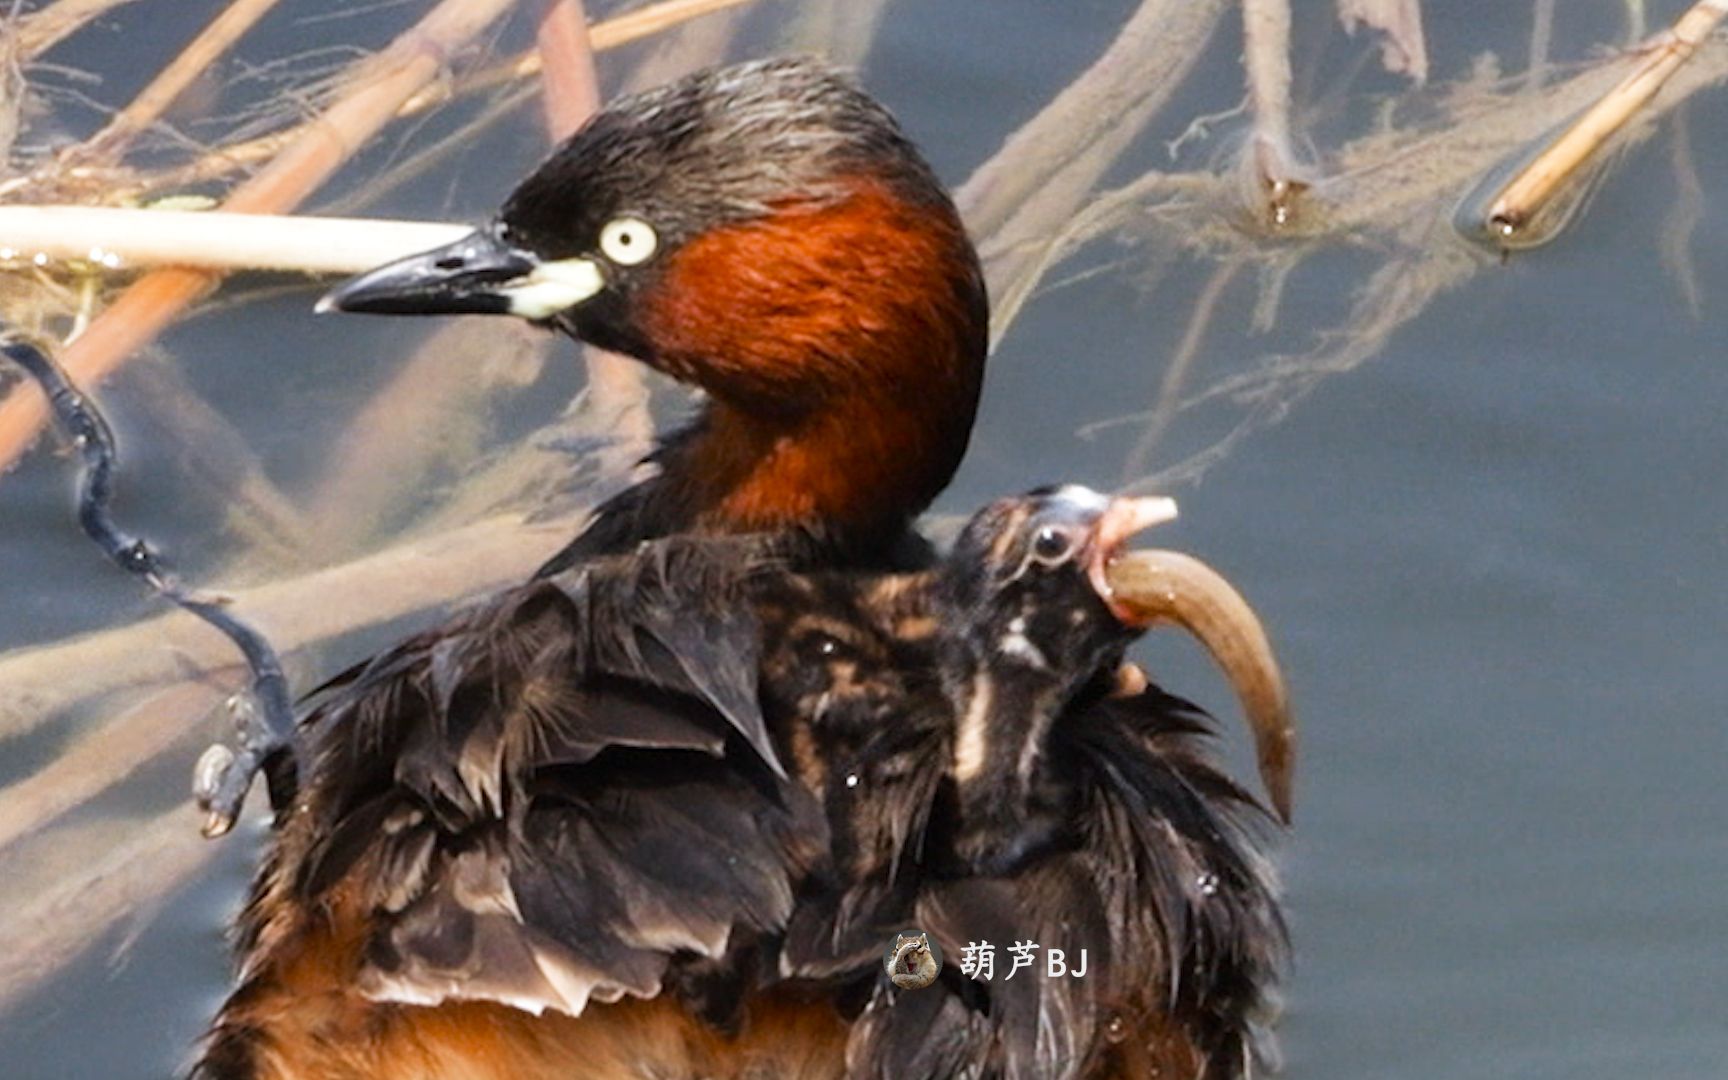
[{"x": 628, "y": 241}]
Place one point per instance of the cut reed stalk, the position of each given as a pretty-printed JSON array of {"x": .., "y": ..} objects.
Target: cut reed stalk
[
  {"x": 569, "y": 83},
  {"x": 115, "y": 238},
  {"x": 1266, "y": 58}
]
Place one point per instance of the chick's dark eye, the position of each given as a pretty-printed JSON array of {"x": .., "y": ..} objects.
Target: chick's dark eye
[{"x": 1052, "y": 543}]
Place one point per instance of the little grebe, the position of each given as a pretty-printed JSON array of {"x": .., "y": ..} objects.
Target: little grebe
[{"x": 568, "y": 832}]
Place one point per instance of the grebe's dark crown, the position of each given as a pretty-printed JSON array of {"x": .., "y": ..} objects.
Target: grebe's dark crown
[{"x": 716, "y": 148}]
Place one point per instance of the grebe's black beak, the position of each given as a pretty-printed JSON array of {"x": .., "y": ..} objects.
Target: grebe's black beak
[{"x": 479, "y": 274}]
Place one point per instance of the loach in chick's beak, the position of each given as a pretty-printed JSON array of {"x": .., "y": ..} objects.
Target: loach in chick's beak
[{"x": 1151, "y": 587}]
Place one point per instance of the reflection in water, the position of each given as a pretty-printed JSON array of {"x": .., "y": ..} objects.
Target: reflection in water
[{"x": 1498, "y": 585}]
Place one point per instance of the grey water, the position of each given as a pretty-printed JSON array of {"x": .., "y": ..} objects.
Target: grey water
[{"x": 1494, "y": 558}]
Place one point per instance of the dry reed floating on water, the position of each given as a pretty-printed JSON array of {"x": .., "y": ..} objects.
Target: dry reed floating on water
[
  {"x": 56, "y": 926},
  {"x": 428, "y": 419},
  {"x": 106, "y": 754},
  {"x": 1385, "y": 184},
  {"x": 1522, "y": 201},
  {"x": 619, "y": 30},
  {"x": 43, "y": 29},
  {"x": 1104, "y": 107},
  {"x": 381, "y": 88},
  {"x": 1393, "y": 180},
  {"x": 78, "y": 775},
  {"x": 508, "y": 552},
  {"x": 1019, "y": 203},
  {"x": 1393, "y": 196},
  {"x": 298, "y": 611},
  {"x": 616, "y": 31}
]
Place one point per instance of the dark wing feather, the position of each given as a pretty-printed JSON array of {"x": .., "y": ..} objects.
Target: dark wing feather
[
  {"x": 558, "y": 795},
  {"x": 934, "y": 1032},
  {"x": 1199, "y": 890},
  {"x": 713, "y": 660},
  {"x": 680, "y": 622}
]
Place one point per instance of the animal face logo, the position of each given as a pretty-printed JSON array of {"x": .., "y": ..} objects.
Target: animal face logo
[{"x": 912, "y": 960}]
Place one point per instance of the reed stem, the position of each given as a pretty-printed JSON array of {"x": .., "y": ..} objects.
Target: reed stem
[
  {"x": 380, "y": 85},
  {"x": 107, "y": 145},
  {"x": 37, "y": 683}
]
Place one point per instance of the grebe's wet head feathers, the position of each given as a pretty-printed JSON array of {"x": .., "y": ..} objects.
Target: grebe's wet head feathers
[{"x": 716, "y": 148}]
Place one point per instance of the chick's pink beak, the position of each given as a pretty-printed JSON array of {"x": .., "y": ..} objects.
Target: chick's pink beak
[{"x": 1121, "y": 521}]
